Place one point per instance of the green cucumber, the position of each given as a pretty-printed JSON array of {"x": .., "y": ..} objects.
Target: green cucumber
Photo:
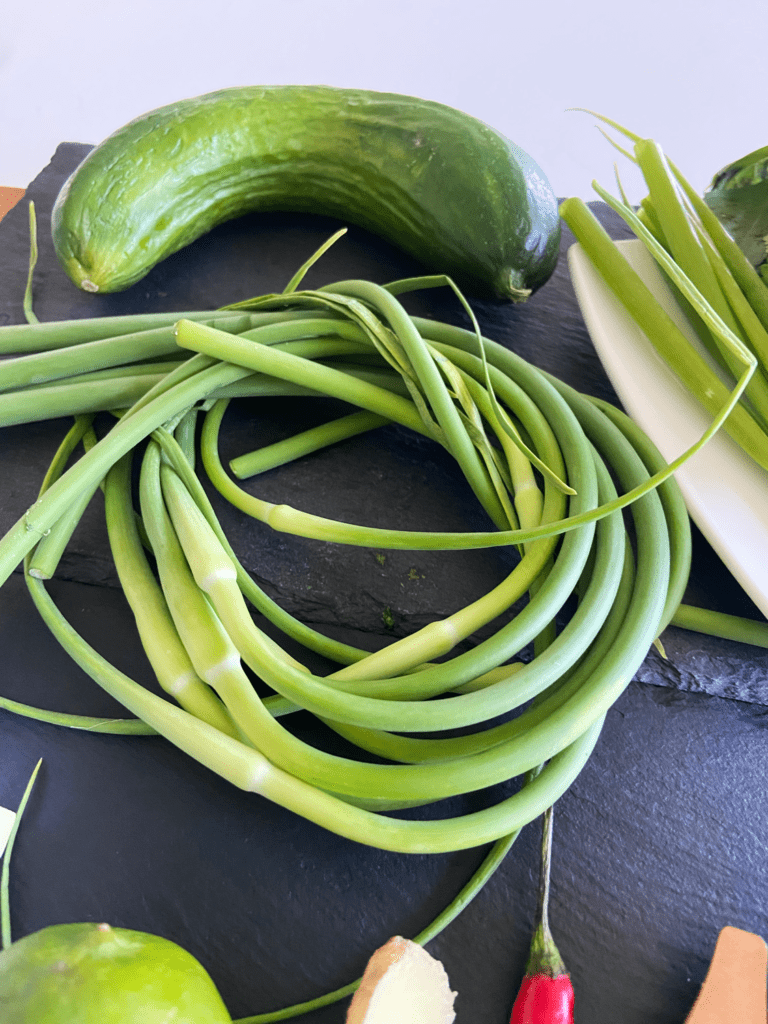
[{"x": 441, "y": 185}]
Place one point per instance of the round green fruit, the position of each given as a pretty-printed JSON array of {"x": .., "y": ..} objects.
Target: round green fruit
[{"x": 95, "y": 974}]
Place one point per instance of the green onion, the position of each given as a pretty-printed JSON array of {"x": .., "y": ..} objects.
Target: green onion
[
  {"x": 722, "y": 293},
  {"x": 568, "y": 482},
  {"x": 660, "y": 329},
  {"x": 5, "y": 917},
  {"x": 568, "y": 543},
  {"x": 588, "y": 593},
  {"x": 18, "y": 339}
]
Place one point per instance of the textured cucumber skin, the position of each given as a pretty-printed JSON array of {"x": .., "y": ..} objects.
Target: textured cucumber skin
[{"x": 441, "y": 185}]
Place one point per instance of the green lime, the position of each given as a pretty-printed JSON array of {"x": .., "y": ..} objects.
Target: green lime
[{"x": 95, "y": 974}]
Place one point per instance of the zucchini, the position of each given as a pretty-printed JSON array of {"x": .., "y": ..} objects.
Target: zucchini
[{"x": 441, "y": 185}]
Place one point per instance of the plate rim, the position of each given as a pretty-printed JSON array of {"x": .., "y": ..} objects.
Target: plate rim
[{"x": 720, "y": 461}]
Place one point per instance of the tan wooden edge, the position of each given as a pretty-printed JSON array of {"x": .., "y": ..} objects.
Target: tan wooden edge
[{"x": 9, "y": 196}]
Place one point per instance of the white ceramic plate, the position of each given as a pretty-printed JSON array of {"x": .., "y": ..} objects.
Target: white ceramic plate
[{"x": 725, "y": 491}]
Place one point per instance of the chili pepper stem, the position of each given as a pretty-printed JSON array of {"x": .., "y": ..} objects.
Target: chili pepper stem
[
  {"x": 544, "y": 956},
  {"x": 546, "y": 993}
]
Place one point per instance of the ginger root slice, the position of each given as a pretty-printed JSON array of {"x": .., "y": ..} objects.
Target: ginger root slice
[{"x": 402, "y": 983}]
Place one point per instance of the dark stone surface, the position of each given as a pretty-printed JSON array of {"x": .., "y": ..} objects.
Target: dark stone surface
[{"x": 658, "y": 844}]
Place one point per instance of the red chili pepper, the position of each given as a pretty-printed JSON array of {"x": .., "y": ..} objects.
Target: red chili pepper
[
  {"x": 544, "y": 1000},
  {"x": 546, "y": 994}
]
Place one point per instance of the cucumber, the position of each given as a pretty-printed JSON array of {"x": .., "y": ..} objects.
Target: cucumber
[{"x": 441, "y": 185}]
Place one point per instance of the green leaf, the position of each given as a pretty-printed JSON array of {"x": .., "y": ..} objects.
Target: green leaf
[{"x": 738, "y": 197}]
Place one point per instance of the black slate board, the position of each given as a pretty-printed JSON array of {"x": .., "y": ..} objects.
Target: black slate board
[{"x": 659, "y": 843}]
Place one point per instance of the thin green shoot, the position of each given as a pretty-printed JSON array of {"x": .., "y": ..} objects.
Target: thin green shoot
[
  {"x": 301, "y": 273},
  {"x": 683, "y": 283},
  {"x": 613, "y": 124},
  {"x": 299, "y": 445},
  {"x": 29, "y": 313},
  {"x": 5, "y": 909},
  {"x": 85, "y": 723},
  {"x": 614, "y": 143},
  {"x": 434, "y": 281},
  {"x": 620, "y": 186},
  {"x": 695, "y": 372},
  {"x": 720, "y": 624}
]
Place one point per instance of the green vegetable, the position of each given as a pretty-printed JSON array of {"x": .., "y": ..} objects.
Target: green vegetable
[
  {"x": 738, "y": 196},
  {"x": 5, "y": 911},
  {"x": 440, "y": 184},
  {"x": 724, "y": 298},
  {"x": 695, "y": 372},
  {"x": 716, "y": 284},
  {"x": 95, "y": 974},
  {"x": 540, "y": 459},
  {"x": 552, "y": 468}
]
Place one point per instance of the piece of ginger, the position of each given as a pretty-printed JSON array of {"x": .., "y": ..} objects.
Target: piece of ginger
[{"x": 402, "y": 984}]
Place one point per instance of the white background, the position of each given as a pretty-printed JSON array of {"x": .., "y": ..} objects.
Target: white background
[{"x": 689, "y": 74}]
